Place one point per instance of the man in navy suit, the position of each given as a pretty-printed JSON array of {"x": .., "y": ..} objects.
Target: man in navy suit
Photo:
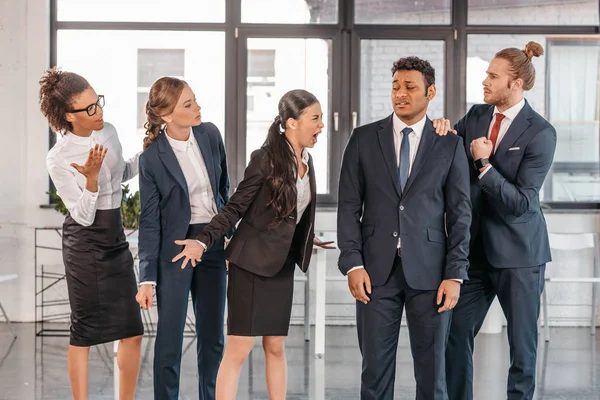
[
  {"x": 403, "y": 229},
  {"x": 510, "y": 149}
]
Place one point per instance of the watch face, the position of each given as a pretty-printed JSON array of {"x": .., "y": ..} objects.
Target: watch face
[{"x": 482, "y": 162}]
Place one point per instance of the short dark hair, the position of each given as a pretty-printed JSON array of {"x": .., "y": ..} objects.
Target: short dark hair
[{"x": 413, "y": 63}]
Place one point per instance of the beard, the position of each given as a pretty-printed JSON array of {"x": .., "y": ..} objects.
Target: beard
[{"x": 501, "y": 97}]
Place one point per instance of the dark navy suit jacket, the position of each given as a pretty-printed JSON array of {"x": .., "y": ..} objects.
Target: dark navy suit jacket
[
  {"x": 506, "y": 203},
  {"x": 432, "y": 215},
  {"x": 165, "y": 204}
]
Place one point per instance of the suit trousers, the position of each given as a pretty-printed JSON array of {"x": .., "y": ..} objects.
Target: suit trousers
[
  {"x": 518, "y": 291},
  {"x": 207, "y": 283},
  {"x": 378, "y": 328}
]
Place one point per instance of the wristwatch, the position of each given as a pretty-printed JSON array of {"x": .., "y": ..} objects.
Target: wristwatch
[{"x": 482, "y": 162}]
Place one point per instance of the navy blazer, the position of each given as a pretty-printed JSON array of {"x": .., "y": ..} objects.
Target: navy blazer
[
  {"x": 432, "y": 215},
  {"x": 165, "y": 204},
  {"x": 506, "y": 203}
]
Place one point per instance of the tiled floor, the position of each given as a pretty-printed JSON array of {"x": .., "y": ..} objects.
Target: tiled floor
[{"x": 35, "y": 368}]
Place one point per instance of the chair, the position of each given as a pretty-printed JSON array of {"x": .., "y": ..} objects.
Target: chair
[
  {"x": 573, "y": 241},
  {"x": 6, "y": 278}
]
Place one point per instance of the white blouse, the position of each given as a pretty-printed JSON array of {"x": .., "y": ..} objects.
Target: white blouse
[
  {"x": 191, "y": 162},
  {"x": 303, "y": 188},
  {"x": 70, "y": 184}
]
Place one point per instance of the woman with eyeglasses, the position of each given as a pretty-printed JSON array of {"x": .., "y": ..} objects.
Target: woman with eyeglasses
[{"x": 87, "y": 168}]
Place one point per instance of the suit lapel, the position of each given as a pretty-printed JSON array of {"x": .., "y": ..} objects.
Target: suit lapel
[
  {"x": 206, "y": 150},
  {"x": 483, "y": 125},
  {"x": 428, "y": 139},
  {"x": 168, "y": 158},
  {"x": 517, "y": 127},
  {"x": 386, "y": 141},
  {"x": 313, "y": 188}
]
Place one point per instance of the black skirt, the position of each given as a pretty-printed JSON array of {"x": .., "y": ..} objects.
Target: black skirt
[
  {"x": 100, "y": 280},
  {"x": 257, "y": 305}
]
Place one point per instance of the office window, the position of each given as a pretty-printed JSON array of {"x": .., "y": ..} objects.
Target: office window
[
  {"x": 533, "y": 12},
  {"x": 261, "y": 80},
  {"x": 573, "y": 109},
  {"x": 141, "y": 10},
  {"x": 153, "y": 64},
  {"x": 137, "y": 59},
  {"x": 290, "y": 11},
  {"x": 394, "y": 12}
]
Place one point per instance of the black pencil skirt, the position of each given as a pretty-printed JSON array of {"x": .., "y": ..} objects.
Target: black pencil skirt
[
  {"x": 257, "y": 305},
  {"x": 100, "y": 281}
]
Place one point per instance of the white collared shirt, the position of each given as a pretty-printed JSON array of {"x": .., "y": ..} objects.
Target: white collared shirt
[
  {"x": 303, "y": 188},
  {"x": 509, "y": 116},
  {"x": 191, "y": 162},
  {"x": 70, "y": 184}
]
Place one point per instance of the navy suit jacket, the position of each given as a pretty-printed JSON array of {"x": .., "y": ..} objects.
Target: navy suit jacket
[
  {"x": 165, "y": 204},
  {"x": 432, "y": 215},
  {"x": 506, "y": 204}
]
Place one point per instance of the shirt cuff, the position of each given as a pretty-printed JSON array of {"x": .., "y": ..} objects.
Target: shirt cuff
[
  {"x": 201, "y": 244},
  {"x": 148, "y": 283},
  {"x": 357, "y": 267},
  {"x": 457, "y": 280},
  {"x": 487, "y": 168}
]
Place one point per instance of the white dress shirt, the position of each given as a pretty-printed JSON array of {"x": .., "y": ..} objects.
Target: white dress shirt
[
  {"x": 509, "y": 116},
  {"x": 70, "y": 184},
  {"x": 191, "y": 162},
  {"x": 414, "y": 139},
  {"x": 303, "y": 188}
]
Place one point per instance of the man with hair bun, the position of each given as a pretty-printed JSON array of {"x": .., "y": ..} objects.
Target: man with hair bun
[{"x": 510, "y": 148}]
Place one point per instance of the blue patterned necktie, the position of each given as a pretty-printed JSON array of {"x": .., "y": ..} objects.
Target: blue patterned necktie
[{"x": 404, "y": 164}]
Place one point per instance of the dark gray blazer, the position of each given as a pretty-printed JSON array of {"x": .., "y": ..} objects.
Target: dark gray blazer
[{"x": 432, "y": 215}]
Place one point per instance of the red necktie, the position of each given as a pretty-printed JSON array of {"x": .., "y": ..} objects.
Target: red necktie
[{"x": 495, "y": 130}]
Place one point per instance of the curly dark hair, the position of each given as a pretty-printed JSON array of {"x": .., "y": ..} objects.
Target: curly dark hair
[
  {"x": 413, "y": 63},
  {"x": 57, "y": 90}
]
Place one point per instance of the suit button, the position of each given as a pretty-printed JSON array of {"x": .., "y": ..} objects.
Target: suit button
[
  {"x": 401, "y": 208},
  {"x": 395, "y": 234}
]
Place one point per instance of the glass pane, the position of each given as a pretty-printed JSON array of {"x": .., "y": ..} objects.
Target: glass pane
[
  {"x": 428, "y": 12},
  {"x": 137, "y": 59},
  {"x": 293, "y": 64},
  {"x": 142, "y": 11},
  {"x": 290, "y": 11},
  {"x": 376, "y": 60},
  {"x": 566, "y": 92},
  {"x": 533, "y": 12},
  {"x": 573, "y": 101}
]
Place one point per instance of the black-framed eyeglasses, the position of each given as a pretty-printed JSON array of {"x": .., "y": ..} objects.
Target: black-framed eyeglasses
[{"x": 92, "y": 108}]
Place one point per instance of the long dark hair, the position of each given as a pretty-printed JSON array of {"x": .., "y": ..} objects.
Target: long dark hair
[{"x": 284, "y": 169}]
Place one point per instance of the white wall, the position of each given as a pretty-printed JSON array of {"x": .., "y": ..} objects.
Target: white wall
[
  {"x": 24, "y": 37},
  {"x": 24, "y": 49}
]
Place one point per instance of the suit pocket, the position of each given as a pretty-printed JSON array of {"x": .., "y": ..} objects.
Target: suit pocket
[
  {"x": 511, "y": 219},
  {"x": 436, "y": 236}
]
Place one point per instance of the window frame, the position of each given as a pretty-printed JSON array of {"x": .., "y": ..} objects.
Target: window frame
[{"x": 346, "y": 30}]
